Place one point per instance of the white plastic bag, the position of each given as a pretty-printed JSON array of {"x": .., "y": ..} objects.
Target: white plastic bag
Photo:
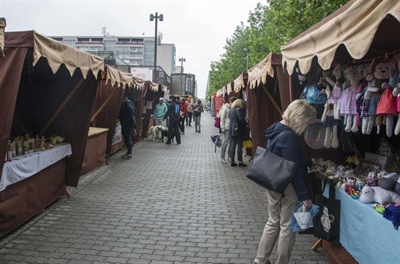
[{"x": 303, "y": 217}]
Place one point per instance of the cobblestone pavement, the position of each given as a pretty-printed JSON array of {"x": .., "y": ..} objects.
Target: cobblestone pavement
[{"x": 168, "y": 204}]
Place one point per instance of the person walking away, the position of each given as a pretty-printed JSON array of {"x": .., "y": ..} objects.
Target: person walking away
[
  {"x": 127, "y": 118},
  {"x": 173, "y": 115},
  {"x": 237, "y": 131},
  {"x": 189, "y": 112},
  {"x": 197, "y": 110},
  {"x": 159, "y": 112},
  {"x": 224, "y": 125},
  {"x": 183, "y": 108},
  {"x": 290, "y": 146}
]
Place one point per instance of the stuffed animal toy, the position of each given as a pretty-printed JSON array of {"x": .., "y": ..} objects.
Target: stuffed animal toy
[
  {"x": 390, "y": 182},
  {"x": 348, "y": 102},
  {"x": 383, "y": 71},
  {"x": 330, "y": 120},
  {"x": 387, "y": 103},
  {"x": 379, "y": 195}
]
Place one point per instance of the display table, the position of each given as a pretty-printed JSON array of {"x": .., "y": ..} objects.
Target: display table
[
  {"x": 30, "y": 184},
  {"x": 364, "y": 233},
  {"x": 95, "y": 151},
  {"x": 25, "y": 166}
]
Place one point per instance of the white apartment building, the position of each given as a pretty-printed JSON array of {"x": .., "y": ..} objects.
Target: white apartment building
[{"x": 129, "y": 50}]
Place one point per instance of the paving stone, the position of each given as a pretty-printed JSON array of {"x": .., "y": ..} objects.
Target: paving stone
[{"x": 169, "y": 204}]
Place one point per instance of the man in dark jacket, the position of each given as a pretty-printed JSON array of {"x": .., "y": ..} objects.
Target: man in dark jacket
[
  {"x": 173, "y": 115},
  {"x": 127, "y": 117}
]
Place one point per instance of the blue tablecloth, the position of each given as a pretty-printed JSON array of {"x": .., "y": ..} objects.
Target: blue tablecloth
[{"x": 366, "y": 234}]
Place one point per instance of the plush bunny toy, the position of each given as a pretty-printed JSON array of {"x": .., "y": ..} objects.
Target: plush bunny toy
[
  {"x": 348, "y": 103},
  {"x": 377, "y": 194}
]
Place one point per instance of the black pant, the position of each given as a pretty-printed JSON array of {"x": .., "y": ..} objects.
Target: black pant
[
  {"x": 126, "y": 130},
  {"x": 182, "y": 124},
  {"x": 173, "y": 130}
]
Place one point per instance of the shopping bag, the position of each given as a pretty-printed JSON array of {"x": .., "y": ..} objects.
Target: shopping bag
[
  {"x": 327, "y": 221},
  {"x": 303, "y": 218},
  {"x": 294, "y": 225}
]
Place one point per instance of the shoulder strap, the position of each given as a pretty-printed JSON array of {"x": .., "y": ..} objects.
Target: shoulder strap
[{"x": 272, "y": 143}]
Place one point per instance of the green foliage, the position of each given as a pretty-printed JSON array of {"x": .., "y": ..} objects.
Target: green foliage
[{"x": 269, "y": 27}]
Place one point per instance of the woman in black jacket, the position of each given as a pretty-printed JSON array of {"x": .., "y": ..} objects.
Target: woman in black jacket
[{"x": 237, "y": 131}]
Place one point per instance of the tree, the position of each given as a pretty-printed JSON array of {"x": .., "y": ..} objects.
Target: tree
[{"x": 270, "y": 27}]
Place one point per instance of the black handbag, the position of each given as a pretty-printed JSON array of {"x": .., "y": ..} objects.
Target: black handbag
[
  {"x": 270, "y": 170},
  {"x": 327, "y": 221}
]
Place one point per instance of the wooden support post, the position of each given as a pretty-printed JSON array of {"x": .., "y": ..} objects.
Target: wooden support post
[
  {"x": 103, "y": 105},
  {"x": 67, "y": 193},
  {"x": 317, "y": 245},
  {"x": 272, "y": 99},
  {"x": 61, "y": 107}
]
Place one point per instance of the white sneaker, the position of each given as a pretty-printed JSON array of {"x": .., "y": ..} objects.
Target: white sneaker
[{"x": 224, "y": 160}]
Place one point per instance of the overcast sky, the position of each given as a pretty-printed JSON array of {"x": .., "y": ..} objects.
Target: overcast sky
[{"x": 198, "y": 28}]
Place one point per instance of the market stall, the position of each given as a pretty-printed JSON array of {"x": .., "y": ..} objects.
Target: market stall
[
  {"x": 362, "y": 37},
  {"x": 150, "y": 95},
  {"x": 266, "y": 95},
  {"x": 47, "y": 89},
  {"x": 107, "y": 105}
]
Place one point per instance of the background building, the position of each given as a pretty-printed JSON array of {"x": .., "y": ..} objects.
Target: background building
[{"x": 136, "y": 55}]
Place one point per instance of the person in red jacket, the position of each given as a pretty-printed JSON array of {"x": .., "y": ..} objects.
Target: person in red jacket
[{"x": 183, "y": 107}]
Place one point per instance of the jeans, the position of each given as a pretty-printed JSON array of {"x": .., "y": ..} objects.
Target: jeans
[
  {"x": 225, "y": 143},
  {"x": 197, "y": 123},
  {"x": 158, "y": 122},
  {"x": 232, "y": 146},
  {"x": 189, "y": 118}
]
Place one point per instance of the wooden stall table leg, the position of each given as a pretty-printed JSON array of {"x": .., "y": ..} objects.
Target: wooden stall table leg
[
  {"x": 67, "y": 193},
  {"x": 317, "y": 245}
]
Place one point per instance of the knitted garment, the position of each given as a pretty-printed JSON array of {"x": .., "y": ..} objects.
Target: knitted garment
[{"x": 392, "y": 213}]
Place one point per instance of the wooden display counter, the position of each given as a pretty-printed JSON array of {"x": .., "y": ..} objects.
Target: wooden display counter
[
  {"x": 23, "y": 200},
  {"x": 95, "y": 151}
]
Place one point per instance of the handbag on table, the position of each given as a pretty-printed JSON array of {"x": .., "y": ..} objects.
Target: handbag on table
[
  {"x": 327, "y": 221},
  {"x": 270, "y": 170}
]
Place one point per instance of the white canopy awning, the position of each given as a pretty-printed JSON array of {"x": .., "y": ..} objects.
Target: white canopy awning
[{"x": 354, "y": 25}]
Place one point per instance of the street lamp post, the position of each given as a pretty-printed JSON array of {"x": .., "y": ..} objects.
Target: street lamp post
[
  {"x": 247, "y": 58},
  {"x": 182, "y": 60},
  {"x": 155, "y": 17}
]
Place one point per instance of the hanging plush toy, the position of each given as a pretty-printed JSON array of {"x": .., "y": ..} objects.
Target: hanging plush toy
[
  {"x": 330, "y": 117},
  {"x": 348, "y": 102},
  {"x": 381, "y": 74},
  {"x": 364, "y": 97},
  {"x": 387, "y": 107}
]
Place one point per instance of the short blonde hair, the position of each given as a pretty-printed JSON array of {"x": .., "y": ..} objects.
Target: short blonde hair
[
  {"x": 238, "y": 102},
  {"x": 298, "y": 115}
]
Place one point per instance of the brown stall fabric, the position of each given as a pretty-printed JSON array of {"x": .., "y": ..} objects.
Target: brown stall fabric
[
  {"x": 267, "y": 91},
  {"x": 37, "y": 75},
  {"x": 22, "y": 200},
  {"x": 9, "y": 83},
  {"x": 107, "y": 118}
]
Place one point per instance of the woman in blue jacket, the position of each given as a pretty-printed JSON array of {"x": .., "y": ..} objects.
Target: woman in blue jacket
[{"x": 290, "y": 146}]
